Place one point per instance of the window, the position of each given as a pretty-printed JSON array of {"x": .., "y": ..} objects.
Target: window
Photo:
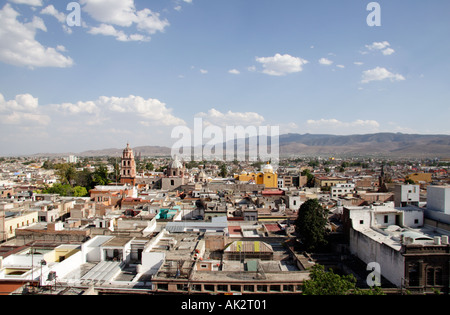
[
  {"x": 182, "y": 287},
  {"x": 196, "y": 287},
  {"x": 430, "y": 276},
  {"x": 163, "y": 286},
  {"x": 209, "y": 287},
  {"x": 275, "y": 288},
  {"x": 235, "y": 288},
  {"x": 413, "y": 273},
  {"x": 386, "y": 219},
  {"x": 361, "y": 221},
  {"x": 288, "y": 288},
  {"x": 249, "y": 288},
  {"x": 416, "y": 221},
  {"x": 222, "y": 288},
  {"x": 261, "y": 288}
]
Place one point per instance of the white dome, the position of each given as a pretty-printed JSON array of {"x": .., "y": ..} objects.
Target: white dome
[
  {"x": 176, "y": 164},
  {"x": 268, "y": 168}
]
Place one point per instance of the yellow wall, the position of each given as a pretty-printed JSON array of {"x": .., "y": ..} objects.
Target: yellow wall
[
  {"x": 61, "y": 251},
  {"x": 270, "y": 180},
  {"x": 24, "y": 220},
  {"x": 420, "y": 177}
]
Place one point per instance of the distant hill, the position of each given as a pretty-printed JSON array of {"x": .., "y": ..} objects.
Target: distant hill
[
  {"x": 144, "y": 151},
  {"x": 386, "y": 144},
  {"x": 378, "y": 144}
]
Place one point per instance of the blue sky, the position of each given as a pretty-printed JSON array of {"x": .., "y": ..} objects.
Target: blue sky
[{"x": 136, "y": 69}]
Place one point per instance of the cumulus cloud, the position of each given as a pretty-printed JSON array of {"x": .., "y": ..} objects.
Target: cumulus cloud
[
  {"x": 325, "y": 62},
  {"x": 234, "y": 71},
  {"x": 34, "y": 3},
  {"x": 151, "y": 111},
  {"x": 384, "y": 47},
  {"x": 380, "y": 74},
  {"x": 217, "y": 118},
  {"x": 109, "y": 30},
  {"x": 23, "y": 109},
  {"x": 280, "y": 65},
  {"x": 123, "y": 13},
  {"x": 340, "y": 127},
  {"x": 18, "y": 44},
  {"x": 50, "y": 10}
]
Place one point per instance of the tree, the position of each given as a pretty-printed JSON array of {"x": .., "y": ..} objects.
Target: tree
[
  {"x": 223, "y": 171},
  {"x": 310, "y": 178},
  {"x": 328, "y": 283},
  {"x": 67, "y": 173},
  {"x": 100, "y": 176},
  {"x": 311, "y": 225}
]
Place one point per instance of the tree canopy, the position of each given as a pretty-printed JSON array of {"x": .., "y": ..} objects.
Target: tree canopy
[
  {"x": 311, "y": 225},
  {"x": 329, "y": 283}
]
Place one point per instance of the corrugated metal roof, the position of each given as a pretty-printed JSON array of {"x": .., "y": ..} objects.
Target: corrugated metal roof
[{"x": 249, "y": 247}]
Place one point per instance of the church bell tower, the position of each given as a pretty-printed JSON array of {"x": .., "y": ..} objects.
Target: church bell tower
[{"x": 128, "y": 167}]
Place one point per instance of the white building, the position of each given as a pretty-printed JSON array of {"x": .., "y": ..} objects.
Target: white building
[
  {"x": 438, "y": 198},
  {"x": 340, "y": 190},
  {"x": 438, "y": 203},
  {"x": 380, "y": 234},
  {"x": 407, "y": 195}
]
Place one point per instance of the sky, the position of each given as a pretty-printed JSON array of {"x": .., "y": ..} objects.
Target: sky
[{"x": 133, "y": 70}]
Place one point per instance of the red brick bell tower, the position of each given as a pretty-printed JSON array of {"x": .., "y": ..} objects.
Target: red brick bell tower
[{"x": 128, "y": 167}]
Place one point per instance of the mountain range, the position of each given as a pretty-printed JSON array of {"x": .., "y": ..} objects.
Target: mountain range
[{"x": 378, "y": 144}]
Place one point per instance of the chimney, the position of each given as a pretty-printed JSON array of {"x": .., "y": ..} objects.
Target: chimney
[{"x": 51, "y": 227}]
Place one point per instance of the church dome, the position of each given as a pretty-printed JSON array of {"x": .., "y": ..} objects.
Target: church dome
[
  {"x": 268, "y": 168},
  {"x": 176, "y": 164}
]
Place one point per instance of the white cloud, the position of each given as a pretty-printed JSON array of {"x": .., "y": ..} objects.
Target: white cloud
[
  {"x": 19, "y": 47},
  {"x": 234, "y": 71},
  {"x": 217, "y": 118},
  {"x": 388, "y": 51},
  {"x": 384, "y": 47},
  {"x": 123, "y": 13},
  {"x": 325, "y": 61},
  {"x": 203, "y": 71},
  {"x": 340, "y": 66},
  {"x": 379, "y": 74},
  {"x": 79, "y": 107},
  {"x": 339, "y": 127},
  {"x": 109, "y": 30},
  {"x": 23, "y": 109},
  {"x": 50, "y": 10},
  {"x": 280, "y": 65},
  {"x": 358, "y": 63},
  {"x": 152, "y": 110},
  {"x": 34, "y": 3}
]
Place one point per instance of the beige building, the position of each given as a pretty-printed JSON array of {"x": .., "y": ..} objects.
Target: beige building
[{"x": 10, "y": 221}]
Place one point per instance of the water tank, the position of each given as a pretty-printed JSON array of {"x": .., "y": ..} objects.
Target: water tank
[
  {"x": 437, "y": 240},
  {"x": 444, "y": 239}
]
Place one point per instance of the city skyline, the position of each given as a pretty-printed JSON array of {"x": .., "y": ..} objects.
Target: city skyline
[{"x": 134, "y": 70}]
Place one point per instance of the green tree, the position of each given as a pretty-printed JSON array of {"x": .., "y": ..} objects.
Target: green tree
[
  {"x": 100, "y": 176},
  {"x": 67, "y": 173},
  {"x": 310, "y": 178},
  {"x": 311, "y": 225},
  {"x": 149, "y": 166},
  {"x": 79, "y": 192},
  {"x": 223, "y": 170},
  {"x": 323, "y": 282}
]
